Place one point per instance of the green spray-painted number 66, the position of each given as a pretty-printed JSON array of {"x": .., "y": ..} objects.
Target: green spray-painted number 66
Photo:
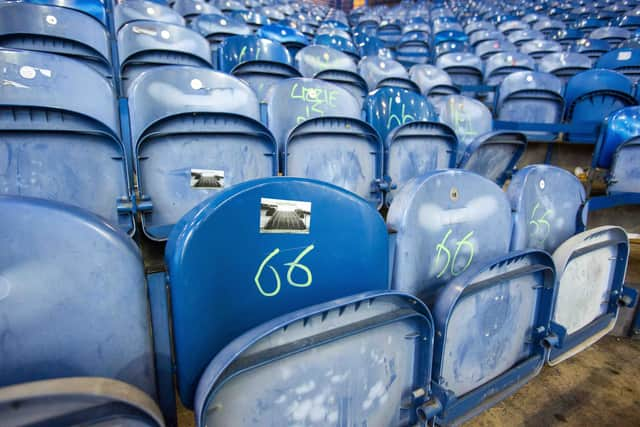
[
  {"x": 451, "y": 260},
  {"x": 292, "y": 265}
]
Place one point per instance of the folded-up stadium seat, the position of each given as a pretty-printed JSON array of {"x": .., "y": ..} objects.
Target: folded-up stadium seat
[
  {"x": 93, "y": 8},
  {"x": 144, "y": 45},
  {"x": 591, "y": 96},
  {"x": 484, "y": 36},
  {"x": 618, "y": 150},
  {"x": 564, "y": 65},
  {"x": 190, "y": 9},
  {"x": 195, "y": 131},
  {"x": 593, "y": 48},
  {"x": 465, "y": 69},
  {"x": 332, "y": 65},
  {"x": 508, "y": 27},
  {"x": 379, "y": 72},
  {"x": 291, "y": 38},
  {"x": 475, "y": 26},
  {"x": 413, "y": 48},
  {"x": 625, "y": 61},
  {"x": 539, "y": 48},
  {"x": 390, "y": 32},
  {"x": 321, "y": 136},
  {"x": 492, "y": 154},
  {"x": 450, "y": 47},
  {"x": 253, "y": 18},
  {"x": 568, "y": 37},
  {"x": 500, "y": 65},
  {"x": 521, "y": 37},
  {"x": 77, "y": 341},
  {"x": 58, "y": 30},
  {"x": 613, "y": 35},
  {"x": 415, "y": 142},
  {"x": 432, "y": 81},
  {"x": 143, "y": 10},
  {"x": 216, "y": 28},
  {"x": 60, "y": 135},
  {"x": 548, "y": 26},
  {"x": 259, "y": 62},
  {"x": 487, "y": 49},
  {"x": 343, "y": 44},
  {"x": 446, "y": 222},
  {"x": 590, "y": 265},
  {"x": 280, "y": 244},
  {"x": 530, "y": 97}
]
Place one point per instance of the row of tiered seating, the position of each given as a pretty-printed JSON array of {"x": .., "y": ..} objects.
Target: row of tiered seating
[{"x": 288, "y": 299}]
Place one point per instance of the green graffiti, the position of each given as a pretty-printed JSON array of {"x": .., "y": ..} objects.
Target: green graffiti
[
  {"x": 398, "y": 119},
  {"x": 317, "y": 100},
  {"x": 450, "y": 262},
  {"x": 461, "y": 122},
  {"x": 292, "y": 265},
  {"x": 542, "y": 226}
]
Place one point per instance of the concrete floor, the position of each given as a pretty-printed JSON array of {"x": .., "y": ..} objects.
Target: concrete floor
[{"x": 598, "y": 387}]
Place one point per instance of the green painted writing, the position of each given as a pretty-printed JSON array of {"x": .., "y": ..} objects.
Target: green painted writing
[
  {"x": 292, "y": 265},
  {"x": 450, "y": 262},
  {"x": 317, "y": 100},
  {"x": 397, "y": 120},
  {"x": 542, "y": 226}
]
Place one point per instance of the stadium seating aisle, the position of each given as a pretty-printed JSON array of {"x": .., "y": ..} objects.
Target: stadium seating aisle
[{"x": 168, "y": 123}]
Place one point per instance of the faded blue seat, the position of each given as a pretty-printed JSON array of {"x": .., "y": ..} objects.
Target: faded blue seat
[
  {"x": 195, "y": 131},
  {"x": 94, "y": 8},
  {"x": 508, "y": 27},
  {"x": 216, "y": 28},
  {"x": 484, "y": 36},
  {"x": 539, "y": 48},
  {"x": 292, "y": 39},
  {"x": 390, "y": 32},
  {"x": 593, "y": 48},
  {"x": 74, "y": 304},
  {"x": 253, "y": 18},
  {"x": 190, "y": 9},
  {"x": 613, "y": 35},
  {"x": 500, "y": 65},
  {"x": 446, "y": 222},
  {"x": 450, "y": 47},
  {"x": 413, "y": 48},
  {"x": 343, "y": 44},
  {"x": 617, "y": 150},
  {"x": 625, "y": 61},
  {"x": 548, "y": 26},
  {"x": 521, "y": 37},
  {"x": 143, "y": 10},
  {"x": 531, "y": 97},
  {"x": 432, "y": 81},
  {"x": 568, "y": 37},
  {"x": 564, "y": 65},
  {"x": 465, "y": 69},
  {"x": 258, "y": 61},
  {"x": 60, "y": 135},
  {"x": 492, "y": 154},
  {"x": 487, "y": 49},
  {"x": 289, "y": 243},
  {"x": 58, "y": 30},
  {"x": 591, "y": 96},
  {"x": 415, "y": 142},
  {"x": 228, "y": 6},
  {"x": 321, "y": 136},
  {"x": 379, "y": 72},
  {"x": 332, "y": 65},
  {"x": 321, "y": 377},
  {"x": 475, "y": 26},
  {"x": 144, "y": 45},
  {"x": 546, "y": 202}
]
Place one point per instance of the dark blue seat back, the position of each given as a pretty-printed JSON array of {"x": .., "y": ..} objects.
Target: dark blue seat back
[
  {"x": 593, "y": 48},
  {"x": 375, "y": 70},
  {"x": 463, "y": 68},
  {"x": 61, "y": 135},
  {"x": 540, "y": 47},
  {"x": 288, "y": 243},
  {"x": 621, "y": 126},
  {"x": 93, "y": 8},
  {"x": 625, "y": 61},
  {"x": 291, "y": 38},
  {"x": 564, "y": 65}
]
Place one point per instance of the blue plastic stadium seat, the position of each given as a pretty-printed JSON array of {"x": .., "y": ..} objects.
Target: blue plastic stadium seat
[
  {"x": 415, "y": 142},
  {"x": 60, "y": 136},
  {"x": 521, "y": 37},
  {"x": 475, "y": 26},
  {"x": 531, "y": 97},
  {"x": 260, "y": 62},
  {"x": 74, "y": 304},
  {"x": 484, "y": 36},
  {"x": 215, "y": 28},
  {"x": 292, "y": 39},
  {"x": 280, "y": 244},
  {"x": 617, "y": 150},
  {"x": 592, "y": 95},
  {"x": 593, "y": 48},
  {"x": 450, "y": 47},
  {"x": 332, "y": 65},
  {"x": 93, "y": 8},
  {"x": 568, "y": 37},
  {"x": 348, "y": 350},
  {"x": 190, "y": 9},
  {"x": 487, "y": 49},
  {"x": 432, "y": 81},
  {"x": 254, "y": 19},
  {"x": 144, "y": 45},
  {"x": 613, "y": 35},
  {"x": 390, "y": 32},
  {"x": 58, "y": 30},
  {"x": 548, "y": 26},
  {"x": 142, "y": 10},
  {"x": 465, "y": 69},
  {"x": 446, "y": 222},
  {"x": 539, "y": 48},
  {"x": 195, "y": 132},
  {"x": 321, "y": 136},
  {"x": 413, "y": 48},
  {"x": 625, "y": 61},
  {"x": 341, "y": 43},
  {"x": 379, "y": 72},
  {"x": 564, "y": 65},
  {"x": 546, "y": 202},
  {"x": 508, "y": 27},
  {"x": 492, "y": 154},
  {"x": 500, "y": 65}
]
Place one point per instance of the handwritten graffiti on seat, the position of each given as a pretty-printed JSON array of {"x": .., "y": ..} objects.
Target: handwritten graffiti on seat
[{"x": 318, "y": 101}]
